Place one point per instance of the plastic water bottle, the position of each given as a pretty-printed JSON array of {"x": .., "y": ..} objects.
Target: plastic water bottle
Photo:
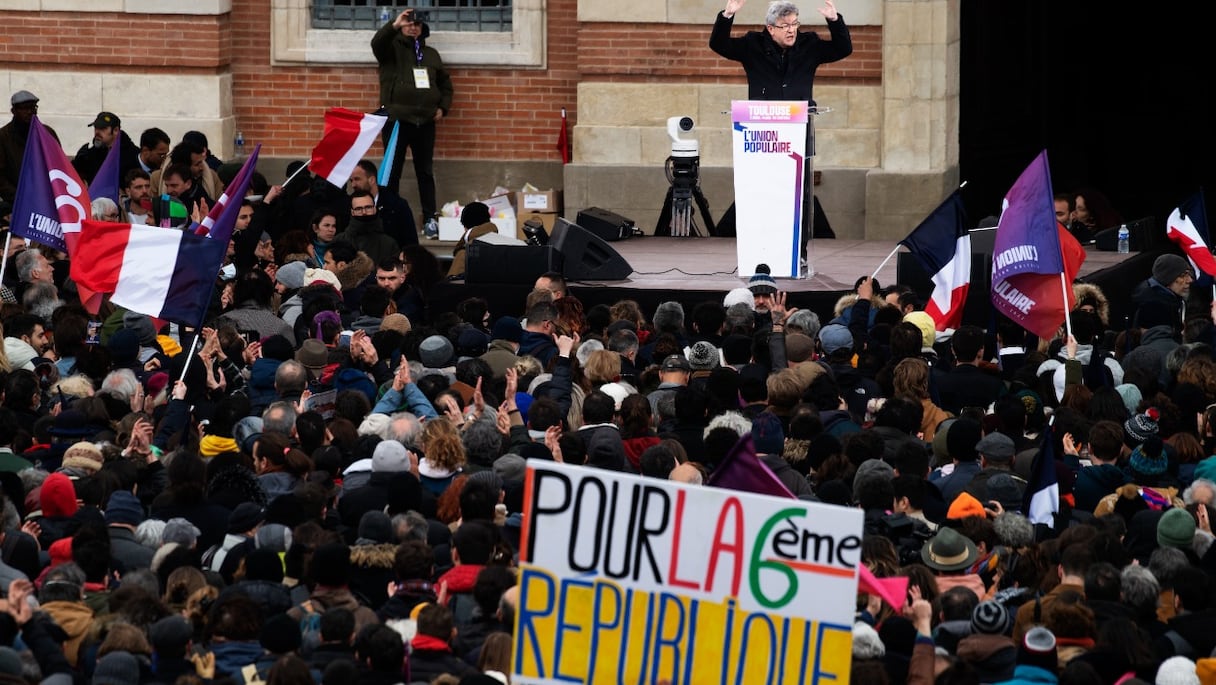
[
  {"x": 239, "y": 144},
  {"x": 386, "y": 15},
  {"x": 1124, "y": 242}
]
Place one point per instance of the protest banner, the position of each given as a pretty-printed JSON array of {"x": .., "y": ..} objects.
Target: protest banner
[{"x": 632, "y": 580}]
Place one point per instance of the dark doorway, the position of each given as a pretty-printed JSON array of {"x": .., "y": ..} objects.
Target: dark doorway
[{"x": 1120, "y": 98}]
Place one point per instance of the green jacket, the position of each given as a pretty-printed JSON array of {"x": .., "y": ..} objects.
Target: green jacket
[{"x": 399, "y": 92}]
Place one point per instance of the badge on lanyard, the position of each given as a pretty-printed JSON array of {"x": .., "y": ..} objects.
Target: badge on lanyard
[{"x": 421, "y": 79}]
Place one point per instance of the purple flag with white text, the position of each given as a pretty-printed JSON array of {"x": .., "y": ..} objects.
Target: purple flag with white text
[{"x": 51, "y": 199}]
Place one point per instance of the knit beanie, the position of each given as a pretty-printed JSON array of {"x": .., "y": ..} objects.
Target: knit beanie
[
  {"x": 761, "y": 282},
  {"x": 57, "y": 496},
  {"x": 1149, "y": 458},
  {"x": 703, "y": 356},
  {"x": 124, "y": 508},
  {"x": 1168, "y": 267},
  {"x": 375, "y": 527},
  {"x": 397, "y": 322},
  {"x": 507, "y": 328},
  {"x": 83, "y": 456},
  {"x": 965, "y": 506},
  {"x": 116, "y": 668},
  {"x": 1139, "y": 427},
  {"x": 142, "y": 325},
  {"x": 767, "y": 434},
  {"x": 1176, "y": 528},
  {"x": 739, "y": 296},
  {"x": 291, "y": 275},
  {"x": 1176, "y": 670},
  {"x": 990, "y": 618},
  {"x": 474, "y": 214},
  {"x": 435, "y": 352},
  {"x": 1131, "y": 396},
  {"x": 1206, "y": 670},
  {"x": 1038, "y": 648}
]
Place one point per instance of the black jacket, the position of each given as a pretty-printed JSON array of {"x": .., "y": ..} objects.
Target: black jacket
[{"x": 774, "y": 73}]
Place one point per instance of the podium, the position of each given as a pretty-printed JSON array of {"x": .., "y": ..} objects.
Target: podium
[{"x": 770, "y": 154}]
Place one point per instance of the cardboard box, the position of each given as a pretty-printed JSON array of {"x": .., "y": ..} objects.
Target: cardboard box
[
  {"x": 540, "y": 201},
  {"x": 451, "y": 229},
  {"x": 500, "y": 206},
  {"x": 547, "y": 220}
]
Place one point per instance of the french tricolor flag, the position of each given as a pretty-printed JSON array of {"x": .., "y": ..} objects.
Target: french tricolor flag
[
  {"x": 1188, "y": 227},
  {"x": 942, "y": 245},
  {"x": 164, "y": 273},
  {"x": 348, "y": 135}
]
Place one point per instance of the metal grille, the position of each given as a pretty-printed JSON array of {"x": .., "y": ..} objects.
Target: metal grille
[{"x": 479, "y": 16}]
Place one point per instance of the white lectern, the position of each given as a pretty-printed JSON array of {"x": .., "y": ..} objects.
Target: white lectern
[{"x": 770, "y": 139}]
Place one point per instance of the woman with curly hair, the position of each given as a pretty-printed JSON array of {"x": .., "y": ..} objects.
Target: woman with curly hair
[{"x": 445, "y": 456}]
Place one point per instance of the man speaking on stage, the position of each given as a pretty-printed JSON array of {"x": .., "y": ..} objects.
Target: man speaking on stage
[{"x": 780, "y": 64}]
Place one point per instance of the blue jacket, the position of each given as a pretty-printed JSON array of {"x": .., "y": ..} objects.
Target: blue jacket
[{"x": 1030, "y": 675}]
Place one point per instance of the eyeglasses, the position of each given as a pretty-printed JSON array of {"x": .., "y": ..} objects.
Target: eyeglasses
[
  {"x": 365, "y": 209},
  {"x": 786, "y": 27}
]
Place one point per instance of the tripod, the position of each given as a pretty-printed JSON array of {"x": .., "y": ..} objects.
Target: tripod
[{"x": 676, "y": 218}]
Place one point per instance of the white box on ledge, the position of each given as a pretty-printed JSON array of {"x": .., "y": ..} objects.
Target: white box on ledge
[{"x": 450, "y": 228}]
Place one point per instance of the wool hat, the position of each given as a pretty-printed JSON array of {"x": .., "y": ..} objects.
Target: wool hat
[
  {"x": 159, "y": 380},
  {"x": 375, "y": 527},
  {"x": 1149, "y": 457},
  {"x": 1003, "y": 488},
  {"x": 1176, "y": 528},
  {"x": 124, "y": 508},
  {"x": 1206, "y": 670},
  {"x": 116, "y": 668},
  {"x": 492, "y": 481},
  {"x": 313, "y": 276},
  {"x": 761, "y": 282},
  {"x": 866, "y": 642},
  {"x": 965, "y": 505},
  {"x": 1168, "y": 267},
  {"x": 507, "y": 328},
  {"x": 996, "y": 446},
  {"x": 274, "y": 537},
  {"x": 22, "y": 97},
  {"x": 313, "y": 355},
  {"x": 245, "y": 517},
  {"x": 703, "y": 356},
  {"x": 435, "y": 352},
  {"x": 1139, "y": 427},
  {"x": 390, "y": 457},
  {"x": 142, "y": 325},
  {"x": 511, "y": 467},
  {"x": 767, "y": 434},
  {"x": 991, "y": 618},
  {"x": 474, "y": 214},
  {"x": 928, "y": 331},
  {"x": 739, "y": 296},
  {"x": 472, "y": 343},
  {"x": 10, "y": 662},
  {"x": 871, "y": 469},
  {"x": 1177, "y": 670},
  {"x": 83, "y": 456},
  {"x": 170, "y": 634},
  {"x": 246, "y": 432},
  {"x": 675, "y": 362},
  {"x": 835, "y": 337},
  {"x": 57, "y": 496},
  {"x": 291, "y": 275},
  {"x": 798, "y": 348},
  {"x": 1038, "y": 648},
  {"x": 396, "y": 322},
  {"x": 181, "y": 531},
  {"x": 949, "y": 550}
]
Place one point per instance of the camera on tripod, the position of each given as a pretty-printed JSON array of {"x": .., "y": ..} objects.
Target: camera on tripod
[{"x": 683, "y": 173}]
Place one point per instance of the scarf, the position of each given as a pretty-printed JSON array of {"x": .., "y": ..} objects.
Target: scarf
[{"x": 212, "y": 445}]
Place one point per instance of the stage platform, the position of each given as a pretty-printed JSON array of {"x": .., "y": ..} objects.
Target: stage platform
[{"x": 694, "y": 270}]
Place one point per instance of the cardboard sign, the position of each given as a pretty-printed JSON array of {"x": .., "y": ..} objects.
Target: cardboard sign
[{"x": 635, "y": 580}]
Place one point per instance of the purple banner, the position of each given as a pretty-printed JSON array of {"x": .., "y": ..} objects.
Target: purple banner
[{"x": 1026, "y": 237}]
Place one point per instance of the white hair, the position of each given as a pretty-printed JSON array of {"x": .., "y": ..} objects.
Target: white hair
[
  {"x": 103, "y": 206},
  {"x": 736, "y": 422},
  {"x": 1188, "y": 495},
  {"x": 778, "y": 9},
  {"x": 120, "y": 383}
]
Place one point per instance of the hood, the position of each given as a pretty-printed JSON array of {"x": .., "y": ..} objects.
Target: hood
[
  {"x": 261, "y": 374},
  {"x": 981, "y": 647},
  {"x": 373, "y": 556},
  {"x": 1093, "y": 292},
  {"x": 335, "y": 598},
  {"x": 231, "y": 657},
  {"x": 1157, "y": 334},
  {"x": 74, "y": 617},
  {"x": 358, "y": 269},
  {"x": 20, "y": 354}
]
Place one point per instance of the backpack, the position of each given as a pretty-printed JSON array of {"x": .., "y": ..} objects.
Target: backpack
[{"x": 310, "y": 627}]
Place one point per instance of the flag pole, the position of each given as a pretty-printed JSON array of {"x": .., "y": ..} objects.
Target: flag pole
[
  {"x": 8, "y": 240},
  {"x": 1067, "y": 317},
  {"x": 190, "y": 355},
  {"x": 884, "y": 262},
  {"x": 297, "y": 173}
]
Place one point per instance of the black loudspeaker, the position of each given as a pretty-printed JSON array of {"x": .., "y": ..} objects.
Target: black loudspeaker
[
  {"x": 585, "y": 256},
  {"x": 604, "y": 224},
  {"x": 515, "y": 264}
]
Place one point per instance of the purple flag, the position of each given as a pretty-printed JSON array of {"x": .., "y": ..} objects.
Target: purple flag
[
  {"x": 106, "y": 183},
  {"x": 221, "y": 220},
  {"x": 51, "y": 199},
  {"x": 1026, "y": 236},
  {"x": 743, "y": 470}
]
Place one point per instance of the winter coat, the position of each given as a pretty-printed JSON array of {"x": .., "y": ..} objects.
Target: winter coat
[
  {"x": 992, "y": 656},
  {"x": 371, "y": 570},
  {"x": 776, "y": 73},
  {"x": 76, "y": 619},
  {"x": 397, "y": 57},
  {"x": 1095, "y": 482}
]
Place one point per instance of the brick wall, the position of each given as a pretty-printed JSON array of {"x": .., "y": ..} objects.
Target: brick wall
[{"x": 114, "y": 41}]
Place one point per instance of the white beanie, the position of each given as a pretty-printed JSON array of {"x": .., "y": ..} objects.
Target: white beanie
[
  {"x": 866, "y": 643},
  {"x": 1177, "y": 670}
]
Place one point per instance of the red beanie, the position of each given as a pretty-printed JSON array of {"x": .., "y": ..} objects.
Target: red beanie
[
  {"x": 58, "y": 496},
  {"x": 60, "y": 551}
]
